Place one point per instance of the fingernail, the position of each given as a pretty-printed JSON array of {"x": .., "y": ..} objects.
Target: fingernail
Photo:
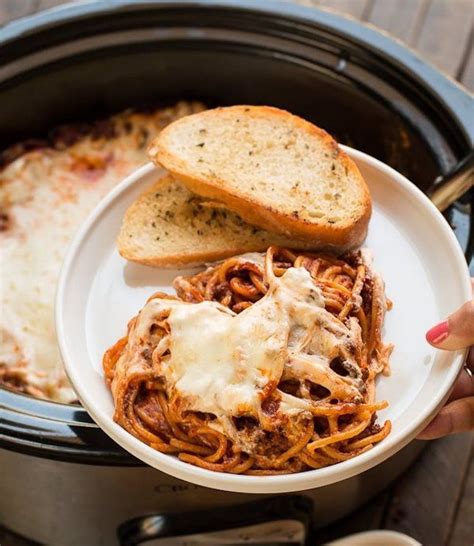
[{"x": 438, "y": 333}]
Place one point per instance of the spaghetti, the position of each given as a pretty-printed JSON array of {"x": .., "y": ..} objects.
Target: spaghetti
[{"x": 260, "y": 365}]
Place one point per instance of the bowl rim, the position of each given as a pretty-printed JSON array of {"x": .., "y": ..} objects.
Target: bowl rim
[
  {"x": 381, "y": 535},
  {"x": 455, "y": 98},
  {"x": 264, "y": 484}
]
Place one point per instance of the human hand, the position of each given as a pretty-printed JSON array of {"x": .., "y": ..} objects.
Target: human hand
[{"x": 457, "y": 332}]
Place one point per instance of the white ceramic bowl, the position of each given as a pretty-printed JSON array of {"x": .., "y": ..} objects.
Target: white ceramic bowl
[
  {"x": 415, "y": 251},
  {"x": 376, "y": 538}
]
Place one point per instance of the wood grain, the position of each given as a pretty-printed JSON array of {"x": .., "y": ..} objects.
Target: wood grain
[
  {"x": 463, "y": 530},
  {"x": 424, "y": 502},
  {"x": 466, "y": 72},
  {"x": 355, "y": 8},
  {"x": 401, "y": 18},
  {"x": 12, "y": 9},
  {"x": 310, "y": 3},
  {"x": 46, "y": 4},
  {"x": 444, "y": 34},
  {"x": 468, "y": 75}
]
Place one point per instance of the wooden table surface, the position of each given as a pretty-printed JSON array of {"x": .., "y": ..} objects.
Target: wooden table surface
[{"x": 434, "y": 500}]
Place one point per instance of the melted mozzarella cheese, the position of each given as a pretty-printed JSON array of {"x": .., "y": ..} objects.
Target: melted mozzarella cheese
[
  {"x": 225, "y": 368},
  {"x": 222, "y": 363}
]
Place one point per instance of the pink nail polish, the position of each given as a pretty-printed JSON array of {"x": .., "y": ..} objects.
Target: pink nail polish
[{"x": 438, "y": 333}]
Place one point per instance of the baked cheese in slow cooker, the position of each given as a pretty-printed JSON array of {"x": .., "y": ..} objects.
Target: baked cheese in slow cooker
[{"x": 45, "y": 194}]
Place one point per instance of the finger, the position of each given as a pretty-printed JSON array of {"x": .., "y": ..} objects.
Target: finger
[
  {"x": 455, "y": 333},
  {"x": 458, "y": 416},
  {"x": 463, "y": 387}
]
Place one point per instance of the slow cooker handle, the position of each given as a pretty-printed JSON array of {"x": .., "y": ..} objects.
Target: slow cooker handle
[
  {"x": 282, "y": 520},
  {"x": 449, "y": 188}
]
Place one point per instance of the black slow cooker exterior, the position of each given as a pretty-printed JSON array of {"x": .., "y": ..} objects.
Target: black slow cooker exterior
[{"x": 81, "y": 62}]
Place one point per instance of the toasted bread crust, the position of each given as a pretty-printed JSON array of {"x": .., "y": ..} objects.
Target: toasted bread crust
[
  {"x": 135, "y": 239},
  {"x": 343, "y": 235},
  {"x": 172, "y": 261}
]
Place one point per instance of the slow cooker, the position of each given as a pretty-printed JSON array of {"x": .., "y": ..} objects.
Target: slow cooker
[{"x": 63, "y": 481}]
